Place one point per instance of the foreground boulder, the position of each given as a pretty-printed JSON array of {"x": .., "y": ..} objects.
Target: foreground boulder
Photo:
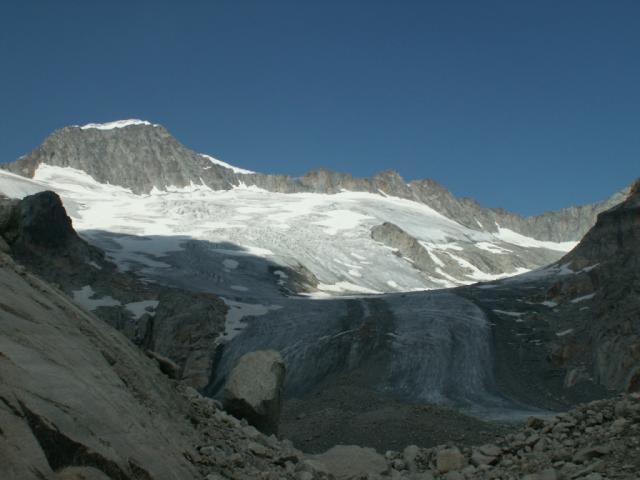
[{"x": 254, "y": 390}]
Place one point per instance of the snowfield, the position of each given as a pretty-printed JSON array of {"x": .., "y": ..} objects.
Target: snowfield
[{"x": 330, "y": 235}]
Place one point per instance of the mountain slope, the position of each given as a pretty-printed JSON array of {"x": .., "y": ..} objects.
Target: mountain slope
[
  {"x": 573, "y": 327},
  {"x": 39, "y": 234},
  {"x": 139, "y": 156},
  {"x": 329, "y": 240}
]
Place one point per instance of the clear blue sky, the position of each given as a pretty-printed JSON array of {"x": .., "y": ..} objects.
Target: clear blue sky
[{"x": 526, "y": 105}]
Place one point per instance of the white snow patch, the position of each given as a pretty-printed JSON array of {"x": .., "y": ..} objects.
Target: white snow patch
[
  {"x": 85, "y": 295},
  {"x": 589, "y": 268},
  {"x": 15, "y": 186},
  {"x": 117, "y": 124},
  {"x": 239, "y": 288},
  {"x": 564, "y": 332},
  {"x": 432, "y": 254},
  {"x": 140, "y": 308},
  {"x": 226, "y": 165},
  {"x": 509, "y": 236},
  {"x": 583, "y": 298},
  {"x": 478, "y": 275},
  {"x": 510, "y": 314},
  {"x": 246, "y": 251},
  {"x": 243, "y": 186},
  {"x": 341, "y": 220},
  {"x": 346, "y": 287},
  {"x": 230, "y": 263},
  {"x": 237, "y": 311},
  {"x": 445, "y": 275},
  {"x": 444, "y": 283},
  {"x": 281, "y": 274},
  {"x": 493, "y": 248},
  {"x": 94, "y": 265}
]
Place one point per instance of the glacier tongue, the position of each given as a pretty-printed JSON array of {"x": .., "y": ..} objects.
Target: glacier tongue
[{"x": 254, "y": 248}]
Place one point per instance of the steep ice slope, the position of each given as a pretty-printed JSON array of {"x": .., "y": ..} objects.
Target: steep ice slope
[
  {"x": 432, "y": 347},
  {"x": 328, "y": 234}
]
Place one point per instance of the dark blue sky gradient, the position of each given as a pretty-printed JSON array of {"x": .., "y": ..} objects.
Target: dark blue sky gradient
[{"x": 526, "y": 105}]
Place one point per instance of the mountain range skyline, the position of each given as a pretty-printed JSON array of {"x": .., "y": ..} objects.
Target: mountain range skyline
[
  {"x": 517, "y": 106},
  {"x": 313, "y": 172}
]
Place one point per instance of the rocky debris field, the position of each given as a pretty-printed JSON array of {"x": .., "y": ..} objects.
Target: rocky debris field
[
  {"x": 232, "y": 449},
  {"x": 595, "y": 441},
  {"x": 344, "y": 412}
]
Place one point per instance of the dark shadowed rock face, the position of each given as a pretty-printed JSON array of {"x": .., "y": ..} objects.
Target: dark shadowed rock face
[
  {"x": 144, "y": 156},
  {"x": 608, "y": 261},
  {"x": 577, "y": 322},
  {"x": 40, "y": 220}
]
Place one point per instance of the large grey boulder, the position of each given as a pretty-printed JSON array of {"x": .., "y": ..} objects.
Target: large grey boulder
[{"x": 254, "y": 389}]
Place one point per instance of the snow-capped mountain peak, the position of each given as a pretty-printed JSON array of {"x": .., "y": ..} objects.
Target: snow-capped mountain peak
[
  {"x": 351, "y": 234},
  {"x": 117, "y": 124}
]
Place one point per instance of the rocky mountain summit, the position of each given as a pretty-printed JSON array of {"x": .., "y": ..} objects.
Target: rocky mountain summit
[{"x": 142, "y": 156}]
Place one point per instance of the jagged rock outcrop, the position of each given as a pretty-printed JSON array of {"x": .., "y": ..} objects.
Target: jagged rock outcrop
[
  {"x": 141, "y": 156},
  {"x": 577, "y": 321},
  {"x": 406, "y": 245},
  {"x": 39, "y": 221},
  {"x": 606, "y": 264},
  {"x": 178, "y": 324},
  {"x": 253, "y": 390},
  {"x": 442, "y": 265}
]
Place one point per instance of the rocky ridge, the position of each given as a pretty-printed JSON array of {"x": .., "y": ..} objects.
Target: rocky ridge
[{"x": 141, "y": 156}]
